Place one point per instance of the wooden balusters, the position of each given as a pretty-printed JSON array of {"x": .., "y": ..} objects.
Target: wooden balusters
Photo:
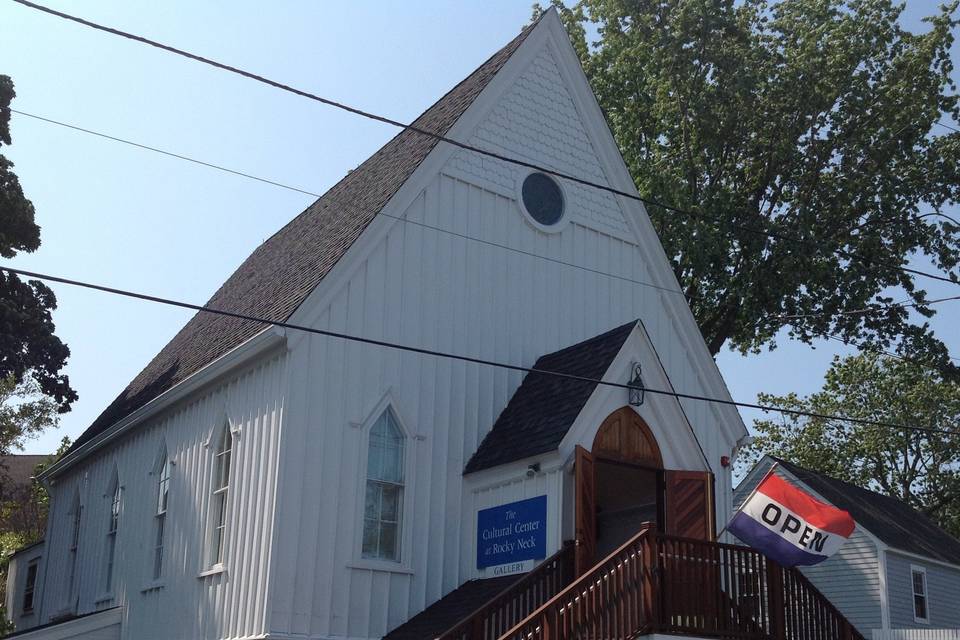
[
  {"x": 516, "y": 602},
  {"x": 673, "y": 585}
]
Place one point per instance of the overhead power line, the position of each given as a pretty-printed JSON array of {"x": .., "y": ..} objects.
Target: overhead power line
[
  {"x": 442, "y": 138},
  {"x": 881, "y": 308},
  {"x": 462, "y": 358},
  {"x": 406, "y": 220},
  {"x": 947, "y": 126}
]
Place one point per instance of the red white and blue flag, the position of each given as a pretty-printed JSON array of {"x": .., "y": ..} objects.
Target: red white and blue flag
[{"x": 789, "y": 525}]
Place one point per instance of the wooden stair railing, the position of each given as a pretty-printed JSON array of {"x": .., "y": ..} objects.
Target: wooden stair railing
[
  {"x": 517, "y": 601},
  {"x": 682, "y": 586},
  {"x": 732, "y": 591},
  {"x": 612, "y": 600}
]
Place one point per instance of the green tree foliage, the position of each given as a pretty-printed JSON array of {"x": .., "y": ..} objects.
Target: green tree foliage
[
  {"x": 24, "y": 413},
  {"x": 920, "y": 468},
  {"x": 28, "y": 347},
  {"x": 809, "y": 119},
  {"x": 23, "y": 521}
]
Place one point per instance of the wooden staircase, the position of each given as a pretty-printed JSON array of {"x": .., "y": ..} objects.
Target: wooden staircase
[{"x": 656, "y": 583}]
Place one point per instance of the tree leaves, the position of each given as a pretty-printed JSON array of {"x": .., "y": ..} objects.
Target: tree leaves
[
  {"x": 809, "y": 119},
  {"x": 921, "y": 468},
  {"x": 28, "y": 346}
]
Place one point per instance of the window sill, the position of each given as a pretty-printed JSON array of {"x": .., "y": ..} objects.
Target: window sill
[
  {"x": 216, "y": 569},
  {"x": 153, "y": 586},
  {"x": 380, "y": 565}
]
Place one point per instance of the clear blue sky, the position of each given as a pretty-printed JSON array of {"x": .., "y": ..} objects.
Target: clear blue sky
[{"x": 133, "y": 219}]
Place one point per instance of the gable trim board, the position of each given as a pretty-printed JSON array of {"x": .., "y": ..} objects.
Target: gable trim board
[
  {"x": 548, "y": 32},
  {"x": 536, "y": 421},
  {"x": 275, "y": 280}
]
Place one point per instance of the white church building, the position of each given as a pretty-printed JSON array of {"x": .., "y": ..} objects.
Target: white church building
[{"x": 255, "y": 482}]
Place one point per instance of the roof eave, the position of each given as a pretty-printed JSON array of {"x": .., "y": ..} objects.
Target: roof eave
[{"x": 267, "y": 340}]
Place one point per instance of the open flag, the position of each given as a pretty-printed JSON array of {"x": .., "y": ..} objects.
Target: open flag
[{"x": 789, "y": 525}]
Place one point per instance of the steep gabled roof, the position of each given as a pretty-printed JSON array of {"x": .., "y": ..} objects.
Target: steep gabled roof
[
  {"x": 544, "y": 407},
  {"x": 893, "y": 521},
  {"x": 279, "y": 275}
]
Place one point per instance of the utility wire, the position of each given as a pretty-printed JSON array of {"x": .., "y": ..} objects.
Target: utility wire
[
  {"x": 865, "y": 311},
  {"x": 442, "y": 138},
  {"x": 406, "y": 220},
  {"x": 947, "y": 126},
  {"x": 459, "y": 357}
]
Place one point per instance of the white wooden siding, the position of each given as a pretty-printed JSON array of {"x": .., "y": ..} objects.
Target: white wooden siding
[
  {"x": 227, "y": 605},
  {"x": 422, "y": 287},
  {"x": 943, "y": 593},
  {"x": 916, "y": 634},
  {"x": 16, "y": 583},
  {"x": 850, "y": 579}
]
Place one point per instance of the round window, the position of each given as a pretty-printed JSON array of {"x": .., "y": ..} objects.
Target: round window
[{"x": 542, "y": 199}]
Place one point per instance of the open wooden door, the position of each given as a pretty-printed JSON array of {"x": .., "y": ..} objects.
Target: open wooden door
[
  {"x": 689, "y": 504},
  {"x": 586, "y": 512}
]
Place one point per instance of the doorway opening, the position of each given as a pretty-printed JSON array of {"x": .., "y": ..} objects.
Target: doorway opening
[
  {"x": 621, "y": 484},
  {"x": 628, "y": 495}
]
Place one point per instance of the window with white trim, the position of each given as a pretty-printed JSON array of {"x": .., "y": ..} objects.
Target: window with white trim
[
  {"x": 113, "y": 525},
  {"x": 221, "y": 488},
  {"x": 30, "y": 585},
  {"x": 921, "y": 610},
  {"x": 160, "y": 514},
  {"x": 383, "y": 498}
]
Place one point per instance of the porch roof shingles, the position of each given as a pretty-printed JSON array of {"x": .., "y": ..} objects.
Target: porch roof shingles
[
  {"x": 893, "y": 521},
  {"x": 279, "y": 275},
  {"x": 544, "y": 407}
]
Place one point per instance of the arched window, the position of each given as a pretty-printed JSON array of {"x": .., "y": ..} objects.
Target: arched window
[
  {"x": 113, "y": 524},
  {"x": 75, "y": 513},
  {"x": 221, "y": 487},
  {"x": 383, "y": 501},
  {"x": 162, "y": 473}
]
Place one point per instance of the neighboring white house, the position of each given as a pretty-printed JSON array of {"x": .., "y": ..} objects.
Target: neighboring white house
[
  {"x": 898, "y": 571},
  {"x": 255, "y": 482}
]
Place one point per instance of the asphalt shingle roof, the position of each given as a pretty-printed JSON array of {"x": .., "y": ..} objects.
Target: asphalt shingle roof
[
  {"x": 893, "y": 521},
  {"x": 280, "y": 274},
  {"x": 544, "y": 407}
]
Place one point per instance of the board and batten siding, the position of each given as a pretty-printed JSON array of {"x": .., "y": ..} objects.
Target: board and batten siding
[
  {"x": 424, "y": 288},
  {"x": 943, "y": 589},
  {"x": 422, "y": 283},
  {"x": 850, "y": 579},
  {"x": 230, "y": 604}
]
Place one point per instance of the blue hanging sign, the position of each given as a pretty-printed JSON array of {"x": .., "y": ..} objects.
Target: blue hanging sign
[{"x": 512, "y": 532}]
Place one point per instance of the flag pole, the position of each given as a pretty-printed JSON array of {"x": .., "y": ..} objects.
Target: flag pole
[{"x": 772, "y": 468}]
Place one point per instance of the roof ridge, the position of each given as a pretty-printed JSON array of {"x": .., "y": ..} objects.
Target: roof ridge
[
  {"x": 523, "y": 33},
  {"x": 543, "y": 408},
  {"x": 584, "y": 343},
  {"x": 281, "y": 272}
]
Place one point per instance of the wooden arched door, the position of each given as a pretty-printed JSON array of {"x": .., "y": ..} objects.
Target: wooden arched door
[
  {"x": 625, "y": 457},
  {"x": 625, "y": 436}
]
